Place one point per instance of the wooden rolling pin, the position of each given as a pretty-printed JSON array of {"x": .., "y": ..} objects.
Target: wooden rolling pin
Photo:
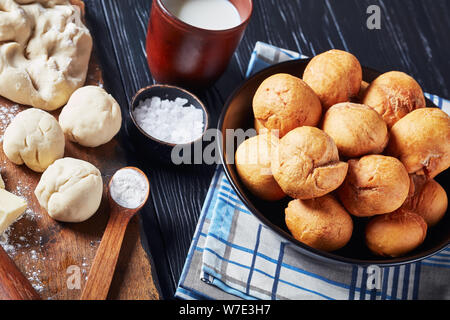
[{"x": 13, "y": 284}]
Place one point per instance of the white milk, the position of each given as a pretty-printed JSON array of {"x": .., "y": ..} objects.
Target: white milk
[{"x": 205, "y": 14}]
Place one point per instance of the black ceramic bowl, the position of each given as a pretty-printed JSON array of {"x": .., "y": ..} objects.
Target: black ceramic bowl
[
  {"x": 238, "y": 113},
  {"x": 149, "y": 145}
]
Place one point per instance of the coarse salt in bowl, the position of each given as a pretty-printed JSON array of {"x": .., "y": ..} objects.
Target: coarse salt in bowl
[
  {"x": 169, "y": 114},
  {"x": 173, "y": 121},
  {"x": 163, "y": 117}
]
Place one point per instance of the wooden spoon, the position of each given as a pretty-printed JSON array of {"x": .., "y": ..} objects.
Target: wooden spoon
[
  {"x": 13, "y": 284},
  {"x": 102, "y": 270}
]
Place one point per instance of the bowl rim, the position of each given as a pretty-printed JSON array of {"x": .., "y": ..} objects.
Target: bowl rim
[
  {"x": 312, "y": 252},
  {"x": 165, "y": 86}
]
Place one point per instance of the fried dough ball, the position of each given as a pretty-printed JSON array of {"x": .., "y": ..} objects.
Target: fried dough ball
[
  {"x": 375, "y": 184},
  {"x": 253, "y": 166},
  {"x": 259, "y": 127},
  {"x": 335, "y": 76},
  {"x": 395, "y": 234},
  {"x": 421, "y": 141},
  {"x": 426, "y": 198},
  {"x": 307, "y": 164},
  {"x": 393, "y": 95},
  {"x": 285, "y": 102},
  {"x": 356, "y": 129},
  {"x": 321, "y": 223}
]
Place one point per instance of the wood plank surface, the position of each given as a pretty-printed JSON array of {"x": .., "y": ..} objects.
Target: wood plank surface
[
  {"x": 48, "y": 252},
  {"x": 413, "y": 38}
]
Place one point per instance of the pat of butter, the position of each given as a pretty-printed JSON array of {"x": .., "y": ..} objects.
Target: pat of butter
[{"x": 11, "y": 207}]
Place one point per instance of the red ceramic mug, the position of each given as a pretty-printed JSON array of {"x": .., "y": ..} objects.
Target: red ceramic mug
[{"x": 181, "y": 54}]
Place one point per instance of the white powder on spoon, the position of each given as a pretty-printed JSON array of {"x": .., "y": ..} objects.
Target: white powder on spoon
[{"x": 128, "y": 188}]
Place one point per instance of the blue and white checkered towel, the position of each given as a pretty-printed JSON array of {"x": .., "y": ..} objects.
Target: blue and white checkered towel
[{"x": 234, "y": 256}]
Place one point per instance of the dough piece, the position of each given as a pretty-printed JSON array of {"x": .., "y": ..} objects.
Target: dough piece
[
  {"x": 356, "y": 129},
  {"x": 70, "y": 190},
  {"x": 285, "y": 102},
  {"x": 35, "y": 138},
  {"x": 335, "y": 76},
  {"x": 11, "y": 208},
  {"x": 393, "y": 95},
  {"x": 92, "y": 117},
  {"x": 306, "y": 164},
  {"x": 426, "y": 198},
  {"x": 375, "y": 184},
  {"x": 421, "y": 141},
  {"x": 395, "y": 234},
  {"x": 44, "y": 52},
  {"x": 2, "y": 183},
  {"x": 253, "y": 158},
  {"x": 321, "y": 223}
]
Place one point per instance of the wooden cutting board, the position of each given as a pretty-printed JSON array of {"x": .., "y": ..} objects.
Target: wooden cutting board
[{"x": 54, "y": 255}]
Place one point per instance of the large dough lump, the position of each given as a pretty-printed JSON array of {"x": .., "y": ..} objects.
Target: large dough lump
[{"x": 44, "y": 52}]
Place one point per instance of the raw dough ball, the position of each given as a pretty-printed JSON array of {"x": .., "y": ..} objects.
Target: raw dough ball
[
  {"x": 393, "y": 95},
  {"x": 395, "y": 234},
  {"x": 375, "y": 184},
  {"x": 285, "y": 102},
  {"x": 335, "y": 76},
  {"x": 70, "y": 190},
  {"x": 321, "y": 223},
  {"x": 253, "y": 166},
  {"x": 421, "y": 141},
  {"x": 35, "y": 138},
  {"x": 91, "y": 118},
  {"x": 306, "y": 164},
  {"x": 44, "y": 52},
  {"x": 426, "y": 198},
  {"x": 356, "y": 129}
]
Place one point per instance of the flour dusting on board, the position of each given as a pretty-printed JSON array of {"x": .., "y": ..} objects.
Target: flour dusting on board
[
  {"x": 25, "y": 239},
  {"x": 7, "y": 114}
]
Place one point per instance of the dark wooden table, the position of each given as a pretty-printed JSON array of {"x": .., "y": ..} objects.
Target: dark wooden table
[{"x": 414, "y": 38}]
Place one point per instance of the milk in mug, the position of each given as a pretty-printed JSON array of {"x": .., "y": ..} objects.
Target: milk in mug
[{"x": 205, "y": 14}]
